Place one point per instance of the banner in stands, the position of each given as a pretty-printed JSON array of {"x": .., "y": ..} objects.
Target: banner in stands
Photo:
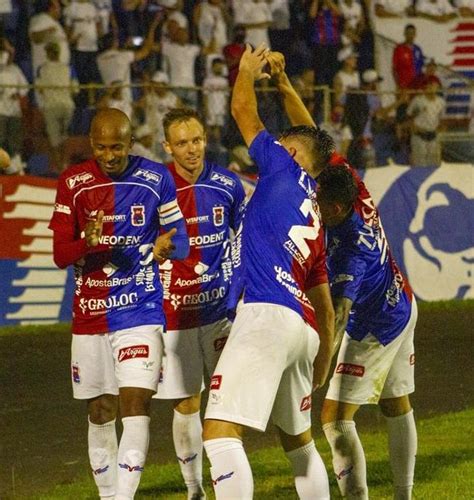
[{"x": 428, "y": 216}]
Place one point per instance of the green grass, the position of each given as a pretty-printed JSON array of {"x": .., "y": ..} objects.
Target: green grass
[{"x": 444, "y": 469}]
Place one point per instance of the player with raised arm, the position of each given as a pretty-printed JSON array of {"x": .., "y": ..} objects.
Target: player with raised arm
[
  {"x": 377, "y": 310},
  {"x": 106, "y": 220},
  {"x": 196, "y": 288},
  {"x": 280, "y": 346}
]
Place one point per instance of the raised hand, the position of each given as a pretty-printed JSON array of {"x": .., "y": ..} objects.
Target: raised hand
[
  {"x": 254, "y": 60},
  {"x": 164, "y": 246},
  {"x": 93, "y": 230},
  {"x": 276, "y": 60}
]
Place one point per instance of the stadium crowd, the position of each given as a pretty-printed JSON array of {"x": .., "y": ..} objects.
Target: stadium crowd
[{"x": 147, "y": 56}]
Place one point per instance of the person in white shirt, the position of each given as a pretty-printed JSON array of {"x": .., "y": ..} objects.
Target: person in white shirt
[
  {"x": 340, "y": 132},
  {"x": 116, "y": 97},
  {"x": 83, "y": 29},
  {"x": 426, "y": 110},
  {"x": 436, "y": 10},
  {"x": 11, "y": 130},
  {"x": 57, "y": 104},
  {"x": 393, "y": 8},
  {"x": 212, "y": 21},
  {"x": 347, "y": 77},
  {"x": 465, "y": 7},
  {"x": 143, "y": 144},
  {"x": 107, "y": 19},
  {"x": 44, "y": 27},
  {"x": 352, "y": 13},
  {"x": 216, "y": 99},
  {"x": 115, "y": 64},
  {"x": 256, "y": 17}
]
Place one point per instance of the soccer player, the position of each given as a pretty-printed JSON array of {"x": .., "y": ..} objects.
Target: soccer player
[
  {"x": 375, "y": 307},
  {"x": 106, "y": 219},
  {"x": 196, "y": 289},
  {"x": 271, "y": 362}
]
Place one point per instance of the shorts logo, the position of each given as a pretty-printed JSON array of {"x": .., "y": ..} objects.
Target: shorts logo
[
  {"x": 222, "y": 477},
  {"x": 138, "y": 215},
  {"x": 412, "y": 359},
  {"x": 216, "y": 382},
  {"x": 132, "y": 352},
  {"x": 219, "y": 343},
  {"x": 218, "y": 215},
  {"x": 82, "y": 178},
  {"x": 349, "y": 369},
  {"x": 76, "y": 376},
  {"x": 305, "y": 403}
]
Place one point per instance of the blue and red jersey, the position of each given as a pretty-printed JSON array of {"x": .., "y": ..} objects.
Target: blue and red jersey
[
  {"x": 196, "y": 288},
  {"x": 362, "y": 269},
  {"x": 407, "y": 64},
  {"x": 117, "y": 282},
  {"x": 326, "y": 28},
  {"x": 279, "y": 250}
]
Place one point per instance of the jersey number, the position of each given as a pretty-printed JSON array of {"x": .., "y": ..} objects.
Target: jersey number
[{"x": 299, "y": 234}]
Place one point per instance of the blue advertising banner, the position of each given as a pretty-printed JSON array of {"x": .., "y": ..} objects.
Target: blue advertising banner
[{"x": 427, "y": 213}]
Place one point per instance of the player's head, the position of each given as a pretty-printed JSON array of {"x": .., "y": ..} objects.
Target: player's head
[
  {"x": 311, "y": 147},
  {"x": 337, "y": 192},
  {"x": 410, "y": 33},
  {"x": 185, "y": 139},
  {"x": 111, "y": 139}
]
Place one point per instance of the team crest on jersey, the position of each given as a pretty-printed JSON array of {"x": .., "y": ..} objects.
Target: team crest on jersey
[
  {"x": 138, "y": 215},
  {"x": 218, "y": 215},
  {"x": 76, "y": 376}
]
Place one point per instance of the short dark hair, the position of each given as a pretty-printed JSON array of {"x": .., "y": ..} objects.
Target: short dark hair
[
  {"x": 336, "y": 184},
  {"x": 410, "y": 26},
  {"x": 320, "y": 143},
  {"x": 180, "y": 115}
]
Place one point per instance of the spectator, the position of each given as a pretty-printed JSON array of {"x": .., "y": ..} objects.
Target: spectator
[
  {"x": 57, "y": 104},
  {"x": 143, "y": 144},
  {"x": 394, "y": 8},
  {"x": 304, "y": 85},
  {"x": 107, "y": 19},
  {"x": 426, "y": 111},
  {"x": 440, "y": 11},
  {"x": 175, "y": 19},
  {"x": 44, "y": 27},
  {"x": 427, "y": 76},
  {"x": 347, "y": 78},
  {"x": 407, "y": 60},
  {"x": 115, "y": 63},
  {"x": 353, "y": 15},
  {"x": 256, "y": 16},
  {"x": 11, "y": 130},
  {"x": 83, "y": 28},
  {"x": 279, "y": 31},
  {"x": 211, "y": 21},
  {"x": 116, "y": 97},
  {"x": 338, "y": 130},
  {"x": 131, "y": 17},
  {"x": 180, "y": 59},
  {"x": 465, "y": 7},
  {"x": 233, "y": 52},
  {"x": 325, "y": 33},
  {"x": 156, "y": 102},
  {"x": 216, "y": 98}
]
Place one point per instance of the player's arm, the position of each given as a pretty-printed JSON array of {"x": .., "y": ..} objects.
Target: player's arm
[
  {"x": 342, "y": 307},
  {"x": 294, "y": 106},
  {"x": 149, "y": 42},
  {"x": 244, "y": 100},
  {"x": 320, "y": 298}
]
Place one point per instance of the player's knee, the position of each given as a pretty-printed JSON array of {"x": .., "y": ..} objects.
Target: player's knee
[
  {"x": 188, "y": 406},
  {"x": 394, "y": 407},
  {"x": 102, "y": 409},
  {"x": 215, "y": 429},
  {"x": 135, "y": 401},
  {"x": 290, "y": 442}
]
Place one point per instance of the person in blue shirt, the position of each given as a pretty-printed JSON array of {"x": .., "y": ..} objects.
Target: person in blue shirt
[
  {"x": 280, "y": 346},
  {"x": 375, "y": 320}
]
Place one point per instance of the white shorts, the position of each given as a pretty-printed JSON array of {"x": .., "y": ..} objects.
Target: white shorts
[
  {"x": 266, "y": 369},
  {"x": 367, "y": 371},
  {"x": 185, "y": 355},
  {"x": 102, "y": 363}
]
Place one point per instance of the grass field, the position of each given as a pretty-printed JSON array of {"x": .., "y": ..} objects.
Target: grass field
[
  {"x": 43, "y": 452},
  {"x": 445, "y": 466}
]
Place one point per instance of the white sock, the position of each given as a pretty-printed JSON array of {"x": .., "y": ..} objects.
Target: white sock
[
  {"x": 402, "y": 445},
  {"x": 131, "y": 455},
  {"x": 311, "y": 478},
  {"x": 230, "y": 469},
  {"x": 187, "y": 437},
  {"x": 102, "y": 442},
  {"x": 348, "y": 458}
]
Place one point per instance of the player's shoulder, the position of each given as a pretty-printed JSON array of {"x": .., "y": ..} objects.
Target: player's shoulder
[
  {"x": 148, "y": 171},
  {"x": 76, "y": 176}
]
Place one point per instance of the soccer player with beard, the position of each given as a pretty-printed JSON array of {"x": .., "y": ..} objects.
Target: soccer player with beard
[
  {"x": 106, "y": 220},
  {"x": 196, "y": 288}
]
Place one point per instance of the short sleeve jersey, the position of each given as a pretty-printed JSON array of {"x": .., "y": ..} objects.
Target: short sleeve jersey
[
  {"x": 279, "y": 253},
  {"x": 196, "y": 288},
  {"x": 117, "y": 282},
  {"x": 362, "y": 269}
]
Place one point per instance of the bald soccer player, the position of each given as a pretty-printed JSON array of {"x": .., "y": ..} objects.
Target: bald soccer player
[{"x": 115, "y": 219}]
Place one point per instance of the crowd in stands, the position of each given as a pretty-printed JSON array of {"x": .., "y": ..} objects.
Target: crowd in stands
[{"x": 153, "y": 55}]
